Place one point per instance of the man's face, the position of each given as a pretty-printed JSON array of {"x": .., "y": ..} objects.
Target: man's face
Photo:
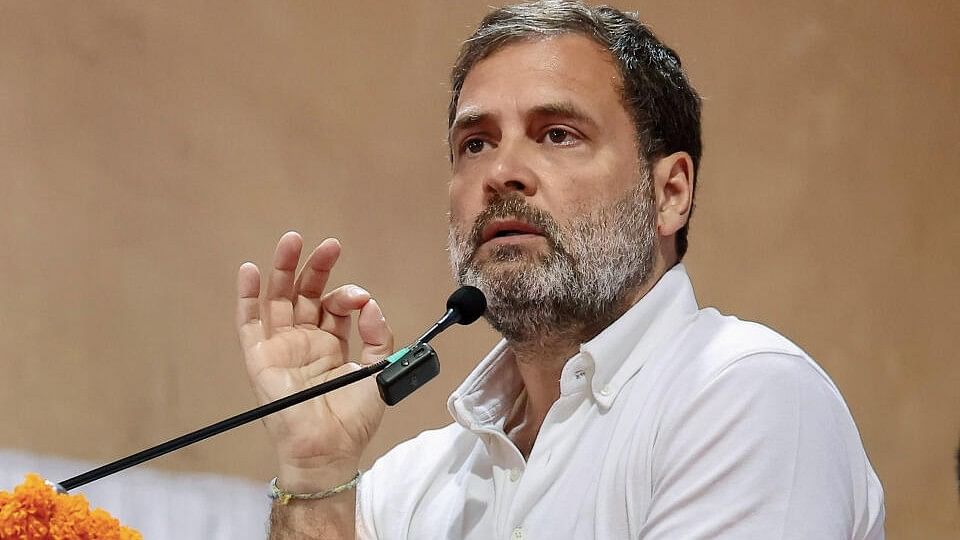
[{"x": 551, "y": 211}]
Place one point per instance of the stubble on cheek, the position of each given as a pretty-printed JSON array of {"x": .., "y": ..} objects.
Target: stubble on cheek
[{"x": 459, "y": 250}]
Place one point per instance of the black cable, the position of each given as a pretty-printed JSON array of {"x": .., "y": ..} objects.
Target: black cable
[{"x": 221, "y": 426}]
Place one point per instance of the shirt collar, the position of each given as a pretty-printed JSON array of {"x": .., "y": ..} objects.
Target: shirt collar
[
  {"x": 620, "y": 350},
  {"x": 611, "y": 358},
  {"x": 488, "y": 393}
]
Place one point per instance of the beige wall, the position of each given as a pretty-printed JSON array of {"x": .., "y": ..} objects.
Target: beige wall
[{"x": 147, "y": 149}]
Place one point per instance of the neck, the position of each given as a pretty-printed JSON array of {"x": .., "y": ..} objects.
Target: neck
[{"x": 540, "y": 360}]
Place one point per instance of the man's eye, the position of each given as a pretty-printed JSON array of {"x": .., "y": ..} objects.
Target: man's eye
[
  {"x": 558, "y": 135},
  {"x": 473, "y": 146}
]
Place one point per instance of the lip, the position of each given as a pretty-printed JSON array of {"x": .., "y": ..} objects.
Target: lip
[
  {"x": 513, "y": 239},
  {"x": 521, "y": 230}
]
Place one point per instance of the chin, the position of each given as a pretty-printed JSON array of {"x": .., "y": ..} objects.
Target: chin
[{"x": 513, "y": 253}]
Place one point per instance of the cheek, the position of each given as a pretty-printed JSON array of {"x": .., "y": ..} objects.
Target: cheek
[
  {"x": 464, "y": 204},
  {"x": 576, "y": 198},
  {"x": 608, "y": 181}
]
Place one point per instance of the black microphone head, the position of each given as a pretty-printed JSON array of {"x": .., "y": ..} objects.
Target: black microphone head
[{"x": 469, "y": 302}]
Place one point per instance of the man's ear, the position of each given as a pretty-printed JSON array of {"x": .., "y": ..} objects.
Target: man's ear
[{"x": 673, "y": 179}]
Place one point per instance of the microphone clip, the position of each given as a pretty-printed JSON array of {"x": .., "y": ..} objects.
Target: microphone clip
[{"x": 410, "y": 368}]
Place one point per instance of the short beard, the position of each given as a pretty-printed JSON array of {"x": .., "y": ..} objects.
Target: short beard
[{"x": 580, "y": 286}]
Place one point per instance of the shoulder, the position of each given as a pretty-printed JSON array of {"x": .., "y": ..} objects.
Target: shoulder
[
  {"x": 724, "y": 371},
  {"x": 748, "y": 416},
  {"x": 727, "y": 336},
  {"x": 717, "y": 347}
]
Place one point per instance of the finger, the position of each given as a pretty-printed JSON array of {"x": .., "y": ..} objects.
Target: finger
[
  {"x": 277, "y": 306},
  {"x": 344, "y": 300},
  {"x": 337, "y": 306},
  {"x": 374, "y": 332},
  {"x": 376, "y": 336},
  {"x": 248, "y": 304},
  {"x": 313, "y": 280}
]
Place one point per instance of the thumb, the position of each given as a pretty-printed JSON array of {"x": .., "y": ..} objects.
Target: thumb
[{"x": 374, "y": 332}]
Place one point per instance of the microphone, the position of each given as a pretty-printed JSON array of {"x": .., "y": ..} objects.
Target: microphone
[
  {"x": 403, "y": 372},
  {"x": 414, "y": 365},
  {"x": 464, "y": 306}
]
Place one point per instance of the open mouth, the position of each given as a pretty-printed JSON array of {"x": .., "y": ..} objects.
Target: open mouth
[{"x": 507, "y": 228}]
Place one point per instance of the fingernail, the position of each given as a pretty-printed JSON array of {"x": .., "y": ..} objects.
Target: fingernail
[
  {"x": 357, "y": 291},
  {"x": 380, "y": 311}
]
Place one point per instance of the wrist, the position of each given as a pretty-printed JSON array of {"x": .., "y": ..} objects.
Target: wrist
[
  {"x": 284, "y": 497},
  {"x": 301, "y": 479}
]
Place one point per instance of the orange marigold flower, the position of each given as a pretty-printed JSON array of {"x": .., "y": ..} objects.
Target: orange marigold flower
[{"x": 34, "y": 511}]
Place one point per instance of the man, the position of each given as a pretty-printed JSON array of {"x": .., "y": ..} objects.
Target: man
[{"x": 614, "y": 407}]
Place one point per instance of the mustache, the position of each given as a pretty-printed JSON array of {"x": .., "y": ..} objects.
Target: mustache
[{"x": 514, "y": 207}]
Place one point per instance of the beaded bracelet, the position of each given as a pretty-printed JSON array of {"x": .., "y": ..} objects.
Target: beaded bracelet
[{"x": 284, "y": 496}]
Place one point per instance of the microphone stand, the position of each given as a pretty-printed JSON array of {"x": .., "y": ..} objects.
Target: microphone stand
[
  {"x": 402, "y": 372},
  {"x": 223, "y": 425}
]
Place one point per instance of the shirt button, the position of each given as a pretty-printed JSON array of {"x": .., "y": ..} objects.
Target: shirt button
[
  {"x": 517, "y": 534},
  {"x": 606, "y": 390},
  {"x": 514, "y": 475}
]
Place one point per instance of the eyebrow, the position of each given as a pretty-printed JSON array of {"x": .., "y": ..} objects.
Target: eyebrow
[
  {"x": 467, "y": 119},
  {"x": 562, "y": 109}
]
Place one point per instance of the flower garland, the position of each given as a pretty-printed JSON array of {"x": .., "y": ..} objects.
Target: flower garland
[{"x": 34, "y": 511}]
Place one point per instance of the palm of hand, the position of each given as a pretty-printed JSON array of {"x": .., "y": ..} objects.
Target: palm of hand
[{"x": 296, "y": 337}]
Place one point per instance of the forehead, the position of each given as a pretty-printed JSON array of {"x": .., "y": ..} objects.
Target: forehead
[{"x": 569, "y": 67}]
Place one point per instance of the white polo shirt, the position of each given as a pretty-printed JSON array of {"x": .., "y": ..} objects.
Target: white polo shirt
[{"x": 674, "y": 423}]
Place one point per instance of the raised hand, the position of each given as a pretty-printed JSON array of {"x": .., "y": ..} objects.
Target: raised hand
[{"x": 296, "y": 336}]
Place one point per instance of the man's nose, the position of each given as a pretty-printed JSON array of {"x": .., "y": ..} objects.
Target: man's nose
[{"x": 511, "y": 170}]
